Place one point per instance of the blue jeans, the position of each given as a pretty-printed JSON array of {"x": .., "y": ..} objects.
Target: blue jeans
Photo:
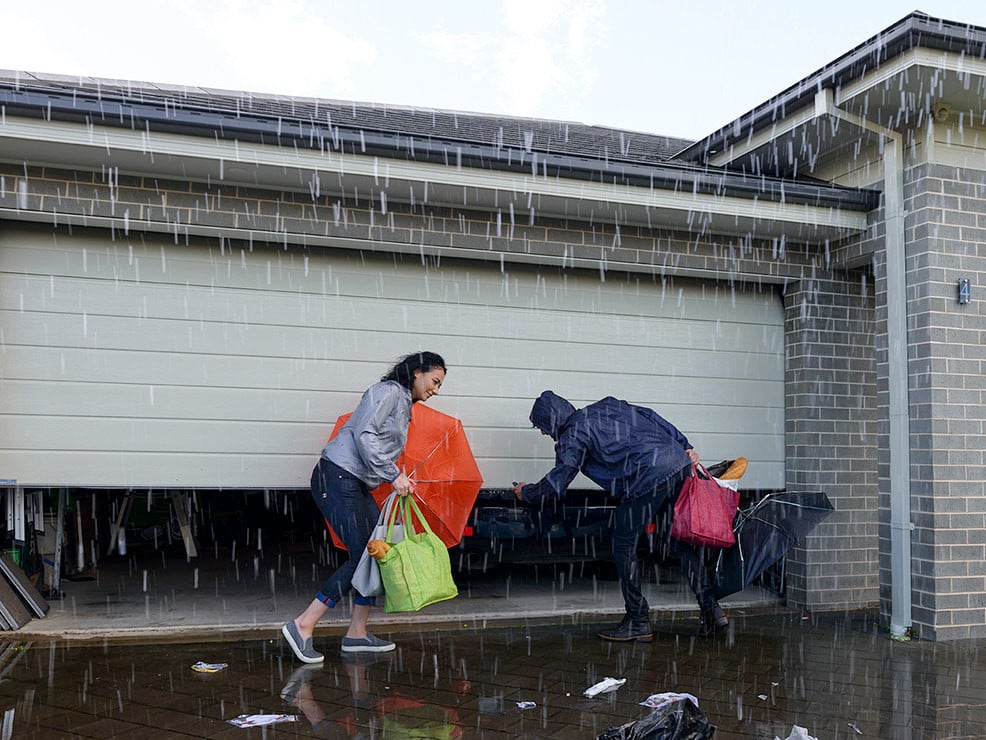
[
  {"x": 631, "y": 518},
  {"x": 347, "y": 505}
]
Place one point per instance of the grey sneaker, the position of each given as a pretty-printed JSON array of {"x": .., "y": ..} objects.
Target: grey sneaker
[
  {"x": 368, "y": 644},
  {"x": 302, "y": 648}
]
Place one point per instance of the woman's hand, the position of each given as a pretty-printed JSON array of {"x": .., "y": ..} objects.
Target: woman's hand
[
  {"x": 517, "y": 487},
  {"x": 403, "y": 485},
  {"x": 692, "y": 455}
]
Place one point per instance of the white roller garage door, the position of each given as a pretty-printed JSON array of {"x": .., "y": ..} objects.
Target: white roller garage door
[{"x": 139, "y": 362}]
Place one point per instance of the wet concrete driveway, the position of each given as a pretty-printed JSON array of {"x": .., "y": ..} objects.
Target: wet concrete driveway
[{"x": 838, "y": 675}]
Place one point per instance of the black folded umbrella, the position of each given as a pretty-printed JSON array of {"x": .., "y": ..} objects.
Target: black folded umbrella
[{"x": 765, "y": 533}]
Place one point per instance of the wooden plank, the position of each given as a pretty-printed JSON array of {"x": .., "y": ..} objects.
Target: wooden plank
[
  {"x": 22, "y": 584},
  {"x": 179, "y": 501},
  {"x": 121, "y": 522},
  {"x": 12, "y": 609},
  {"x": 56, "y": 578}
]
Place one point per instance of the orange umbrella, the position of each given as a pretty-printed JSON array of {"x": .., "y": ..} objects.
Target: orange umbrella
[{"x": 437, "y": 457}]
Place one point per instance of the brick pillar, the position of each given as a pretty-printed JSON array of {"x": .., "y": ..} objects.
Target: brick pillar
[
  {"x": 946, "y": 240},
  {"x": 830, "y": 432}
]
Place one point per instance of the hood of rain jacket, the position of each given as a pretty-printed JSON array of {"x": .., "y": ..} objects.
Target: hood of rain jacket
[
  {"x": 550, "y": 412},
  {"x": 627, "y": 450}
]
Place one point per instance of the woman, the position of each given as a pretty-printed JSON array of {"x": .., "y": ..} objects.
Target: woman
[{"x": 358, "y": 459}]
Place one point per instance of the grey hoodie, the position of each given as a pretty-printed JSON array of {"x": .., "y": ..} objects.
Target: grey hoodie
[{"x": 373, "y": 437}]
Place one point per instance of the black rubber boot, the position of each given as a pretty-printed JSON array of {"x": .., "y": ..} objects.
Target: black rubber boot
[
  {"x": 628, "y": 630},
  {"x": 714, "y": 620}
]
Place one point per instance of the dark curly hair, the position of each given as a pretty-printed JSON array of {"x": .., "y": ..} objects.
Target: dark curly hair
[{"x": 403, "y": 371}]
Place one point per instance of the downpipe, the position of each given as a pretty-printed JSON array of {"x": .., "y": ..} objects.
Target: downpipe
[{"x": 901, "y": 525}]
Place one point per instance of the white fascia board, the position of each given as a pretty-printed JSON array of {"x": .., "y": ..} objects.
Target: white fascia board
[
  {"x": 929, "y": 58},
  {"x": 741, "y": 149},
  {"x": 143, "y": 153}
]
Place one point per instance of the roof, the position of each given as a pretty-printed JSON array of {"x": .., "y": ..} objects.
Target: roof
[
  {"x": 187, "y": 102},
  {"x": 559, "y": 149},
  {"x": 915, "y": 30}
]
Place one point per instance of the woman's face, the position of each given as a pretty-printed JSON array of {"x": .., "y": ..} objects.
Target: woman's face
[{"x": 426, "y": 384}]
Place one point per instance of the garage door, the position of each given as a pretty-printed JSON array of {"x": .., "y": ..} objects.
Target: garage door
[{"x": 141, "y": 362}]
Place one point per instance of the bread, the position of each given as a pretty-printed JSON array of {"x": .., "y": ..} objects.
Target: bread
[{"x": 736, "y": 470}]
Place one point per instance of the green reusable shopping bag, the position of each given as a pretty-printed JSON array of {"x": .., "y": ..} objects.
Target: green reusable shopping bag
[{"x": 416, "y": 571}]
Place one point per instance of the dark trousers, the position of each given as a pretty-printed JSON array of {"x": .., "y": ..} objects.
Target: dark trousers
[
  {"x": 631, "y": 518},
  {"x": 349, "y": 507}
]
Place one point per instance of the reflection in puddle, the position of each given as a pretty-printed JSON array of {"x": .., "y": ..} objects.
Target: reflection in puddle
[{"x": 833, "y": 675}]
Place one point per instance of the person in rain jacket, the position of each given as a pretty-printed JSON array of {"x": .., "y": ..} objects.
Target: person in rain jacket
[
  {"x": 358, "y": 459},
  {"x": 641, "y": 460}
]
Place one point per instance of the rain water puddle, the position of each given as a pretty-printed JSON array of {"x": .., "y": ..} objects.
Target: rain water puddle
[{"x": 839, "y": 676}]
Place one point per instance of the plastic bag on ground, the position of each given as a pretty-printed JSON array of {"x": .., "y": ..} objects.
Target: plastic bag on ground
[
  {"x": 656, "y": 701},
  {"x": 798, "y": 733},
  {"x": 678, "y": 720}
]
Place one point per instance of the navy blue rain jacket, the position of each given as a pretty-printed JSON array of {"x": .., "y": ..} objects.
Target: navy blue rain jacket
[{"x": 627, "y": 450}]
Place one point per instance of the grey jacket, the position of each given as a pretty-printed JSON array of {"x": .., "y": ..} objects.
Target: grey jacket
[{"x": 373, "y": 437}]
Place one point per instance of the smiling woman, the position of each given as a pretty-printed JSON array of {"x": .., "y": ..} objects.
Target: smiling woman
[{"x": 358, "y": 459}]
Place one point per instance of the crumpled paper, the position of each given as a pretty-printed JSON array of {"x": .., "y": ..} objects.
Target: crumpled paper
[
  {"x": 605, "y": 686},
  {"x": 259, "y": 720},
  {"x": 201, "y": 667}
]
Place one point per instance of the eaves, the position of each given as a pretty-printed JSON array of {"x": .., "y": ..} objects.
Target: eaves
[
  {"x": 962, "y": 42},
  {"x": 57, "y": 129}
]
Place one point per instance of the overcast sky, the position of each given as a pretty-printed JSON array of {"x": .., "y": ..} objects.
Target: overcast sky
[{"x": 666, "y": 67}]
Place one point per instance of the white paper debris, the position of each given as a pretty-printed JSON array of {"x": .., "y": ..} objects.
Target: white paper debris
[
  {"x": 605, "y": 686},
  {"x": 258, "y": 720},
  {"x": 201, "y": 667}
]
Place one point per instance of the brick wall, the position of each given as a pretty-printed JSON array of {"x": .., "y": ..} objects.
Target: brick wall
[
  {"x": 831, "y": 437},
  {"x": 946, "y": 240}
]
